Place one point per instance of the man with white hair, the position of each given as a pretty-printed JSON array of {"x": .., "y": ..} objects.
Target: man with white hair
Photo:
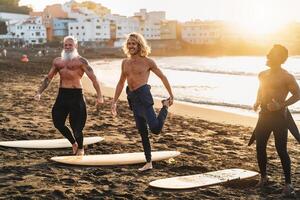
[{"x": 70, "y": 101}]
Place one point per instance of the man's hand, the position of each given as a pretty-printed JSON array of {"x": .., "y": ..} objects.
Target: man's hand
[
  {"x": 37, "y": 96},
  {"x": 171, "y": 100},
  {"x": 256, "y": 106},
  {"x": 114, "y": 109},
  {"x": 99, "y": 101},
  {"x": 274, "y": 105}
]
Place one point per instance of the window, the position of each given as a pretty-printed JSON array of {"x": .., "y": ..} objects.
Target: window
[
  {"x": 98, "y": 27},
  {"x": 38, "y": 34}
]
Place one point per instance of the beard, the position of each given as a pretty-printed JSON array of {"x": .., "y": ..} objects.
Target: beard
[{"x": 69, "y": 55}]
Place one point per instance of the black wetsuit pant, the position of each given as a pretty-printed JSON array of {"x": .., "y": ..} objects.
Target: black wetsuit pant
[
  {"x": 70, "y": 102},
  {"x": 272, "y": 122},
  {"x": 141, "y": 103}
]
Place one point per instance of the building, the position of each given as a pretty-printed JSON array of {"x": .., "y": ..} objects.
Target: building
[
  {"x": 30, "y": 31},
  {"x": 120, "y": 27},
  {"x": 150, "y": 23},
  {"x": 201, "y": 32},
  {"x": 169, "y": 29},
  {"x": 97, "y": 8},
  {"x": 60, "y": 27},
  {"x": 49, "y": 13},
  {"x": 90, "y": 29}
]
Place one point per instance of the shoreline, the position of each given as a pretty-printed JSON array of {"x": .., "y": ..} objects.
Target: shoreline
[
  {"x": 190, "y": 110},
  {"x": 185, "y": 109}
]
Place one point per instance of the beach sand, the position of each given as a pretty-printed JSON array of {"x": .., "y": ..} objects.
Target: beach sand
[{"x": 205, "y": 142}]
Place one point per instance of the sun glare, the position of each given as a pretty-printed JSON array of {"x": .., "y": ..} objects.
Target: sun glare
[
  {"x": 262, "y": 27},
  {"x": 262, "y": 17}
]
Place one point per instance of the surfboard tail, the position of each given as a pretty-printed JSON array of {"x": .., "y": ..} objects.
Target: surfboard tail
[
  {"x": 292, "y": 126},
  {"x": 252, "y": 139}
]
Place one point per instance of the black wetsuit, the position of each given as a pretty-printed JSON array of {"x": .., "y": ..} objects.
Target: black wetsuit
[
  {"x": 278, "y": 123},
  {"x": 141, "y": 103},
  {"x": 70, "y": 102}
]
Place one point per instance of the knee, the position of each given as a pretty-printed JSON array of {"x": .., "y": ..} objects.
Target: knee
[
  {"x": 59, "y": 125},
  {"x": 155, "y": 130}
]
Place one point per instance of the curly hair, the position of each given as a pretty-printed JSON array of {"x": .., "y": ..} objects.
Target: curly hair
[{"x": 144, "y": 48}]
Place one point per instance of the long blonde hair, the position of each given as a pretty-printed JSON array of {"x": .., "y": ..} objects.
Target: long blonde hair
[{"x": 145, "y": 49}]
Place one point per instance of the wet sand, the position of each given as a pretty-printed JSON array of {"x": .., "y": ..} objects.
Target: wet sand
[{"x": 204, "y": 145}]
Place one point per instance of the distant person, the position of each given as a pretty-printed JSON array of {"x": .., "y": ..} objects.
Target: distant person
[
  {"x": 39, "y": 53},
  {"x": 274, "y": 116},
  {"x": 4, "y": 53},
  {"x": 70, "y": 101},
  {"x": 136, "y": 70}
]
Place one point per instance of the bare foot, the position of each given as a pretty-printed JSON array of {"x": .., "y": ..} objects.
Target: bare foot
[
  {"x": 262, "y": 182},
  {"x": 74, "y": 148},
  {"x": 80, "y": 152},
  {"x": 147, "y": 166},
  {"x": 288, "y": 191}
]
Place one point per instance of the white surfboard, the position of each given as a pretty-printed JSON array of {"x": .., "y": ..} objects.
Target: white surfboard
[
  {"x": 48, "y": 144},
  {"x": 114, "y": 159},
  {"x": 205, "y": 179}
]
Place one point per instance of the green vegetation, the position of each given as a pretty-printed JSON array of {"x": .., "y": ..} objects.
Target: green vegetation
[{"x": 12, "y": 6}]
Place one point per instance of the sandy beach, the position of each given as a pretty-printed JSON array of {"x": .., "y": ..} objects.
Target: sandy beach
[{"x": 208, "y": 140}]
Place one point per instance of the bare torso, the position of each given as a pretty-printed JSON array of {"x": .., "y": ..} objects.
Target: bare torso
[
  {"x": 274, "y": 85},
  {"x": 70, "y": 71},
  {"x": 137, "y": 71}
]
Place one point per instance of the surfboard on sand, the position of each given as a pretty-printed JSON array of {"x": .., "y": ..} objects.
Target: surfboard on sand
[
  {"x": 114, "y": 159},
  {"x": 205, "y": 179},
  {"x": 48, "y": 144}
]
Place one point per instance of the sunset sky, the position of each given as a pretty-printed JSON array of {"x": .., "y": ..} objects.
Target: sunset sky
[{"x": 261, "y": 16}]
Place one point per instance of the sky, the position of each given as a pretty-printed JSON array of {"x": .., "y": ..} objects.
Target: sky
[{"x": 265, "y": 14}]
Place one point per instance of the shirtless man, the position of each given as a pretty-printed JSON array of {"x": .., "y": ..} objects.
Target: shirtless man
[
  {"x": 136, "y": 70},
  {"x": 275, "y": 85},
  {"x": 70, "y": 101}
]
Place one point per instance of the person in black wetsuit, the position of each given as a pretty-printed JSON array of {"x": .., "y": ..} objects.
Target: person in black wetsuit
[
  {"x": 70, "y": 101},
  {"x": 136, "y": 70},
  {"x": 275, "y": 84}
]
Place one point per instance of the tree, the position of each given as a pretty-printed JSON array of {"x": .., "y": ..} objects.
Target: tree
[{"x": 10, "y": 2}]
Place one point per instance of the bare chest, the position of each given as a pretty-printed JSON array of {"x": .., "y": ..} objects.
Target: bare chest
[
  {"x": 274, "y": 83},
  {"x": 137, "y": 68},
  {"x": 65, "y": 67}
]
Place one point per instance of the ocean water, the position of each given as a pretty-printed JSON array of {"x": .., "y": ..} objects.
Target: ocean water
[{"x": 225, "y": 83}]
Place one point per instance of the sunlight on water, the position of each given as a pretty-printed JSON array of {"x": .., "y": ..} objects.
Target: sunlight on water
[{"x": 227, "y": 83}]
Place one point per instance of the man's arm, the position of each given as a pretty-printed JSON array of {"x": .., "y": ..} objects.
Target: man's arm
[
  {"x": 163, "y": 78},
  {"x": 258, "y": 96},
  {"x": 118, "y": 91},
  {"x": 294, "y": 90},
  {"x": 46, "y": 81},
  {"x": 90, "y": 73}
]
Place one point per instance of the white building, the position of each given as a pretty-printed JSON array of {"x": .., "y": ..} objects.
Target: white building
[
  {"x": 31, "y": 31},
  {"x": 10, "y": 18},
  {"x": 120, "y": 27},
  {"x": 150, "y": 23},
  {"x": 90, "y": 29},
  {"x": 201, "y": 32}
]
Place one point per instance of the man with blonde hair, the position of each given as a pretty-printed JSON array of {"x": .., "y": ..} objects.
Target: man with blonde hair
[
  {"x": 70, "y": 101},
  {"x": 136, "y": 70}
]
